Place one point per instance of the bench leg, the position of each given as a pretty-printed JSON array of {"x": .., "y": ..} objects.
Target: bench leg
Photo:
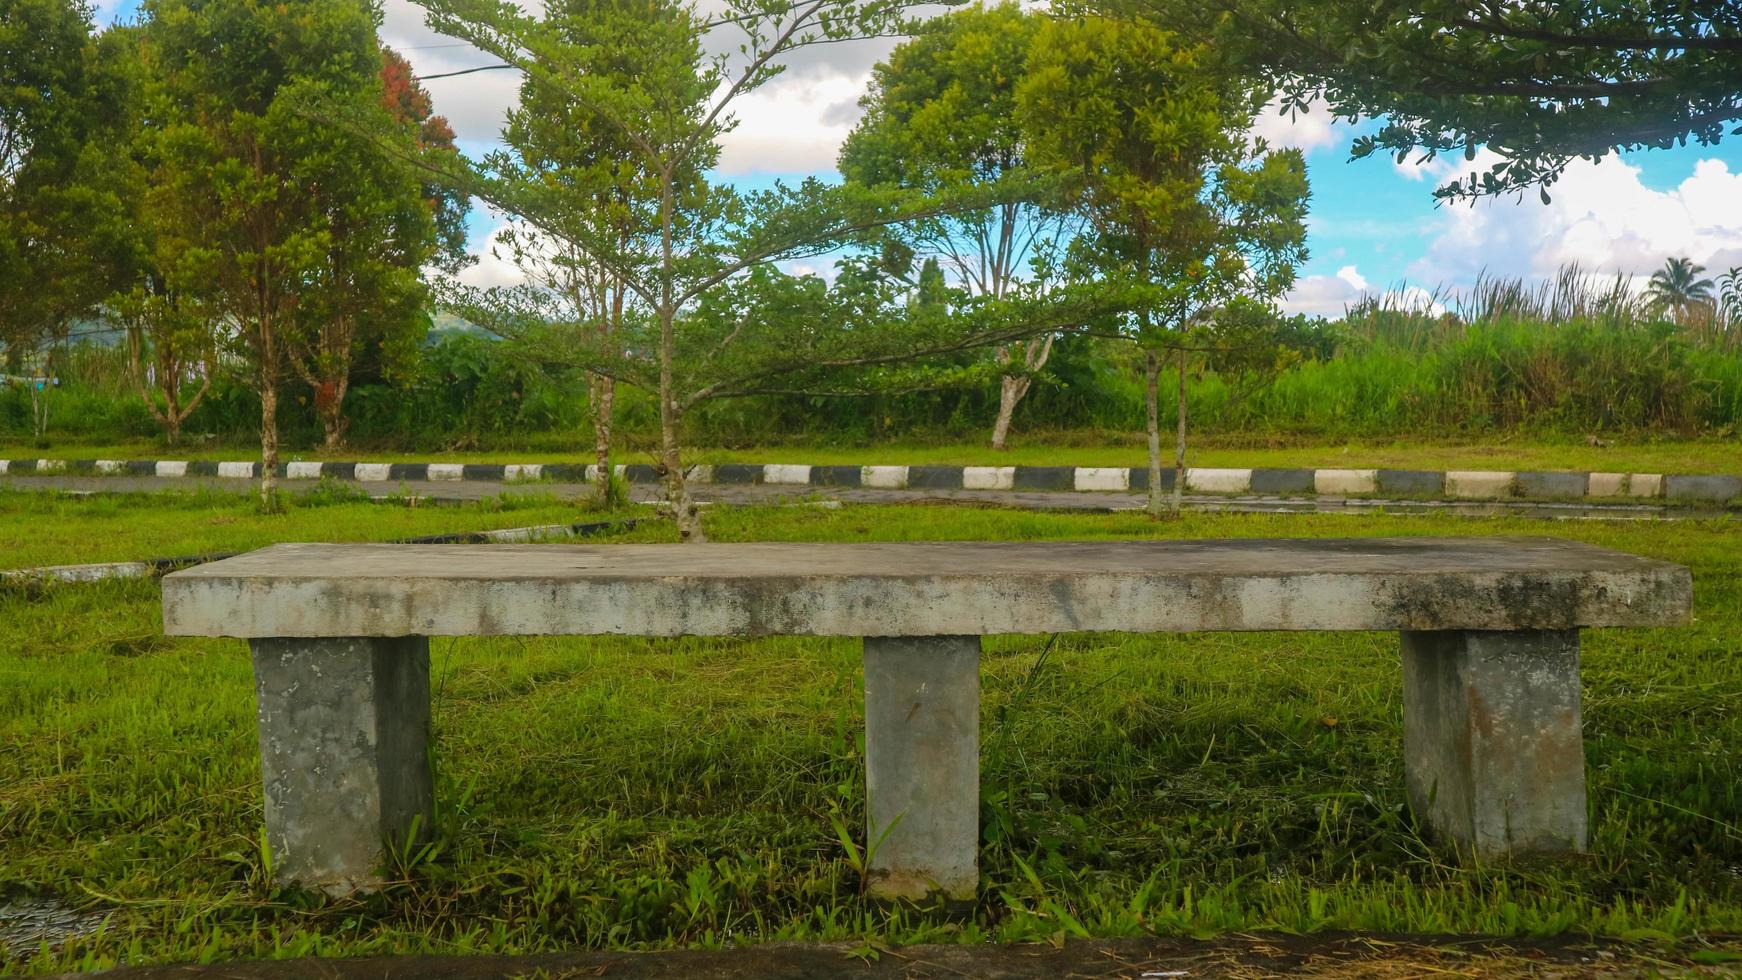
[
  {"x": 922, "y": 765},
  {"x": 344, "y": 754},
  {"x": 1494, "y": 761}
]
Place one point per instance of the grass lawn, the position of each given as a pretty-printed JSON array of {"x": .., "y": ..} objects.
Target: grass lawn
[
  {"x": 1055, "y": 449},
  {"x": 637, "y": 793},
  {"x": 51, "y": 529}
]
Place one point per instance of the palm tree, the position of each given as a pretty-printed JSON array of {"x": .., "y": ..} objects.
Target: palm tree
[
  {"x": 1730, "y": 302},
  {"x": 1678, "y": 287}
]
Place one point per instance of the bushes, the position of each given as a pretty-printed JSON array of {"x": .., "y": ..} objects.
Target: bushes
[{"x": 1390, "y": 372}]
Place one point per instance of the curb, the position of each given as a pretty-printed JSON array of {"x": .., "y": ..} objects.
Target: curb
[
  {"x": 1453, "y": 484},
  {"x": 101, "y": 571}
]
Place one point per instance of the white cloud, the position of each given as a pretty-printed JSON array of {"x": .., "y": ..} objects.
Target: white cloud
[
  {"x": 495, "y": 265},
  {"x": 1330, "y": 296},
  {"x": 1600, "y": 215},
  {"x": 793, "y": 126},
  {"x": 1320, "y": 296},
  {"x": 1305, "y": 131},
  {"x": 1413, "y": 167}
]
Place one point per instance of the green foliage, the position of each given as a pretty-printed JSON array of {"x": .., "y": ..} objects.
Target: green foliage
[
  {"x": 293, "y": 230},
  {"x": 1678, "y": 286},
  {"x": 607, "y": 167},
  {"x": 1540, "y": 82},
  {"x": 940, "y": 116},
  {"x": 64, "y": 235},
  {"x": 1151, "y": 130}
]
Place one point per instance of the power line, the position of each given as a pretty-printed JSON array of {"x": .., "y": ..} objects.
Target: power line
[{"x": 468, "y": 71}]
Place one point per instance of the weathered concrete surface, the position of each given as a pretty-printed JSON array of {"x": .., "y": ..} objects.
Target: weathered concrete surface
[
  {"x": 1411, "y": 483},
  {"x": 1493, "y": 756},
  {"x": 887, "y": 477},
  {"x": 1479, "y": 484},
  {"x": 1102, "y": 478},
  {"x": 1282, "y": 480},
  {"x": 1645, "y": 484},
  {"x": 923, "y": 588},
  {"x": 344, "y": 750},
  {"x": 1715, "y": 489},
  {"x": 1551, "y": 485},
  {"x": 934, "y": 477},
  {"x": 922, "y": 766},
  {"x": 988, "y": 478},
  {"x": 95, "y": 572},
  {"x": 1346, "y": 481},
  {"x": 1211, "y": 480}
]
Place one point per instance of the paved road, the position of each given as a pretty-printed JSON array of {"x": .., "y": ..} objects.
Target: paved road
[{"x": 441, "y": 491}]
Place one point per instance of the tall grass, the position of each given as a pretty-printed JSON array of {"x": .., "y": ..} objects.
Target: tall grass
[
  {"x": 1576, "y": 354},
  {"x": 1573, "y": 353}
]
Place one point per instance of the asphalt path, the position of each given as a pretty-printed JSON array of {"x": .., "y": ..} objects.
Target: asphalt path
[{"x": 437, "y": 492}]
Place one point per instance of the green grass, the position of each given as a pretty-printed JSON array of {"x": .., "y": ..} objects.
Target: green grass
[
  {"x": 49, "y": 529},
  {"x": 1060, "y": 449},
  {"x": 646, "y": 793}
]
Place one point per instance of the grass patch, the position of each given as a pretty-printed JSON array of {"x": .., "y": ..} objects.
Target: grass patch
[
  {"x": 621, "y": 792},
  {"x": 56, "y": 529}
]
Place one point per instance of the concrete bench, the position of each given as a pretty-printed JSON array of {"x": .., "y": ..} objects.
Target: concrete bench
[{"x": 1494, "y": 759}]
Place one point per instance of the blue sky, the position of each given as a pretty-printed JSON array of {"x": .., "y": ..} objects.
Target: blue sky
[{"x": 1374, "y": 226}]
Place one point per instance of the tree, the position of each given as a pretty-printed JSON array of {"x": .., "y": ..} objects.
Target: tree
[
  {"x": 1679, "y": 288},
  {"x": 556, "y": 141},
  {"x": 384, "y": 226},
  {"x": 699, "y": 247},
  {"x": 64, "y": 240},
  {"x": 172, "y": 344},
  {"x": 409, "y": 103},
  {"x": 1540, "y": 82},
  {"x": 941, "y": 114},
  {"x": 253, "y": 190},
  {"x": 1151, "y": 132},
  {"x": 1730, "y": 301}
]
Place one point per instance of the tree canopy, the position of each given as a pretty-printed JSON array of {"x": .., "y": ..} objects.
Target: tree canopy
[
  {"x": 291, "y": 229},
  {"x": 940, "y": 115},
  {"x": 64, "y": 238},
  {"x": 607, "y": 170},
  {"x": 1148, "y": 132},
  {"x": 1539, "y": 82}
]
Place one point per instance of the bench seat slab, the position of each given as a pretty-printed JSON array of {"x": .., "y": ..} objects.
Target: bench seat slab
[
  {"x": 1494, "y": 761},
  {"x": 922, "y": 766},
  {"x": 923, "y": 588},
  {"x": 344, "y": 750}
]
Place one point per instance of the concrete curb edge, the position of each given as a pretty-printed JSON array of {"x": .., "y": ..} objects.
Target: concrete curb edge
[{"x": 1283, "y": 481}]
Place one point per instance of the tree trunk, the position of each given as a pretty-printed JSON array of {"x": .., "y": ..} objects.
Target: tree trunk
[
  {"x": 1179, "y": 452},
  {"x": 1152, "y": 400},
  {"x": 677, "y": 493},
  {"x": 1013, "y": 390},
  {"x": 330, "y": 402},
  {"x": 172, "y": 428},
  {"x": 1010, "y": 391},
  {"x": 268, "y": 442},
  {"x": 603, "y": 394}
]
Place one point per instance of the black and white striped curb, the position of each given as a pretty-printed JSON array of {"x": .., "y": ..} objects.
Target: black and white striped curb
[{"x": 1453, "y": 484}]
